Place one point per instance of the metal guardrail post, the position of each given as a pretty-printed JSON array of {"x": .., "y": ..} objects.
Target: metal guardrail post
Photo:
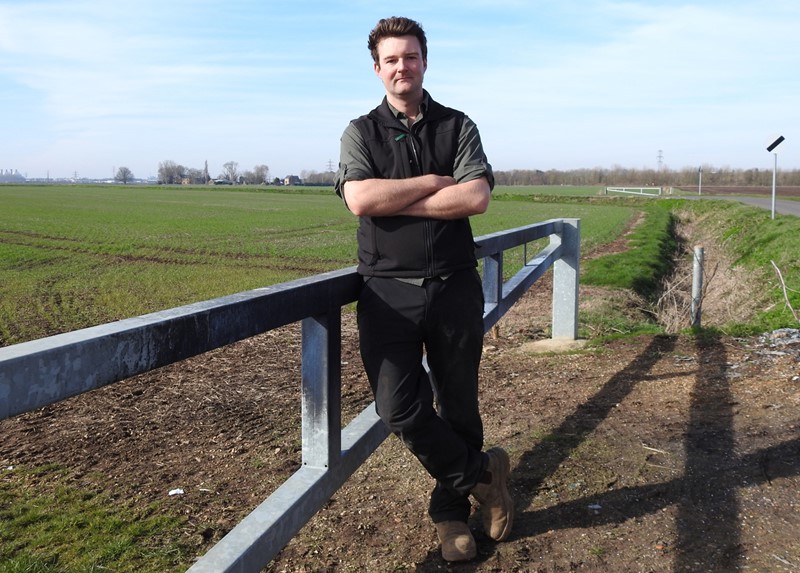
[
  {"x": 321, "y": 390},
  {"x": 566, "y": 270},
  {"x": 492, "y": 283}
]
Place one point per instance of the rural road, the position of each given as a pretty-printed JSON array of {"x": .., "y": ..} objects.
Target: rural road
[{"x": 782, "y": 206}]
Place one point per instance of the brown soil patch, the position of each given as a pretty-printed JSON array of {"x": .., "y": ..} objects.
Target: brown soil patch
[{"x": 648, "y": 454}]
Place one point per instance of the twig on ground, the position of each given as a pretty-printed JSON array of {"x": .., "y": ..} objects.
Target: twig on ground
[
  {"x": 654, "y": 449},
  {"x": 784, "y": 561}
]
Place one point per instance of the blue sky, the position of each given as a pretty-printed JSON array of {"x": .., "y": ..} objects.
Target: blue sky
[{"x": 89, "y": 86}]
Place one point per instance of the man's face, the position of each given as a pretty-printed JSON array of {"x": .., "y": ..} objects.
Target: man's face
[{"x": 401, "y": 66}]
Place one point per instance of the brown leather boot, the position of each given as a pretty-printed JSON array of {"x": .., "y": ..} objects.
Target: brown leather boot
[
  {"x": 492, "y": 494},
  {"x": 457, "y": 541}
]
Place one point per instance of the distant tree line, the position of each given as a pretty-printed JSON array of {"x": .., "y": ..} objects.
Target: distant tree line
[
  {"x": 647, "y": 177},
  {"x": 171, "y": 173},
  {"x": 616, "y": 175},
  {"x": 315, "y": 178}
]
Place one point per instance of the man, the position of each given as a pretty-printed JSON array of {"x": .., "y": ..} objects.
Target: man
[{"x": 414, "y": 171}]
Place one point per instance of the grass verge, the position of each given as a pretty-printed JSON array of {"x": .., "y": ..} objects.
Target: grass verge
[
  {"x": 647, "y": 260},
  {"x": 760, "y": 246},
  {"x": 757, "y": 245},
  {"x": 48, "y": 524}
]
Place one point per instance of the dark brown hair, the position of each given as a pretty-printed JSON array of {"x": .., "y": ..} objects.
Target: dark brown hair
[{"x": 392, "y": 28}]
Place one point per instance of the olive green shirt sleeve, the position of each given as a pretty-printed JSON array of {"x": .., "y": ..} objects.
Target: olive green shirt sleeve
[
  {"x": 354, "y": 163},
  {"x": 471, "y": 162}
]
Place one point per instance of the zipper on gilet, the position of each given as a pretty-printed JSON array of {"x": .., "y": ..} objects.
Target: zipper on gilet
[{"x": 427, "y": 224}]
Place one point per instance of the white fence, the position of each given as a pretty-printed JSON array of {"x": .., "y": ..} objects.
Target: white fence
[{"x": 645, "y": 191}]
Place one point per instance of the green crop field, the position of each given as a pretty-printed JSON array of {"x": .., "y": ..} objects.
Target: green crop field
[{"x": 77, "y": 256}]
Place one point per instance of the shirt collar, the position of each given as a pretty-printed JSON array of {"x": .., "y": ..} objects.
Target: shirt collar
[{"x": 423, "y": 108}]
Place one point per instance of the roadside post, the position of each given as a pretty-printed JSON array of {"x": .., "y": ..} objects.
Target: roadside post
[
  {"x": 770, "y": 148},
  {"x": 700, "y": 180},
  {"x": 697, "y": 286}
]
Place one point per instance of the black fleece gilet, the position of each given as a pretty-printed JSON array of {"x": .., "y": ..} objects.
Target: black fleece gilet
[{"x": 405, "y": 246}]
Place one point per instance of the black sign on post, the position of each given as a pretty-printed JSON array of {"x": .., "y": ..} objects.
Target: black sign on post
[{"x": 775, "y": 143}]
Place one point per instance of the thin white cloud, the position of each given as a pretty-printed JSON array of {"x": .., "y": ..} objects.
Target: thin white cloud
[{"x": 674, "y": 74}]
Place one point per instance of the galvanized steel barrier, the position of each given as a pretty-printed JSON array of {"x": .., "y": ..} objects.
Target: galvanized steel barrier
[{"x": 37, "y": 373}]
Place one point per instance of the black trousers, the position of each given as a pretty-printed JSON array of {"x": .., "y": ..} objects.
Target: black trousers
[{"x": 437, "y": 417}]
